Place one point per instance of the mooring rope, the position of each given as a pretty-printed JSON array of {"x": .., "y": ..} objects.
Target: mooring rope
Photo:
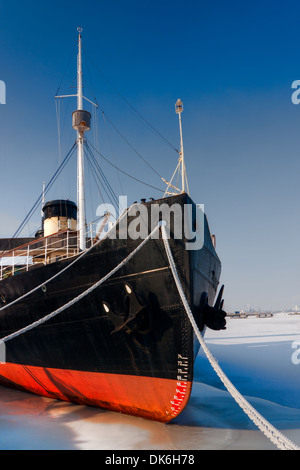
[{"x": 281, "y": 441}]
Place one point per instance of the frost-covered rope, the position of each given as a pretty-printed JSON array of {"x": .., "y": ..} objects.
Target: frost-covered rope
[
  {"x": 67, "y": 267},
  {"x": 270, "y": 431},
  {"x": 80, "y": 296}
]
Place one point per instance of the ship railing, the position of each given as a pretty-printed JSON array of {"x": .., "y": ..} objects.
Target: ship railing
[{"x": 46, "y": 250}]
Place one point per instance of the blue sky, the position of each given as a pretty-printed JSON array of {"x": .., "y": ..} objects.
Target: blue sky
[{"x": 231, "y": 62}]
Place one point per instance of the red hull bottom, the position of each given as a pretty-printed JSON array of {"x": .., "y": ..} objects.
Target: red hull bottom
[{"x": 146, "y": 397}]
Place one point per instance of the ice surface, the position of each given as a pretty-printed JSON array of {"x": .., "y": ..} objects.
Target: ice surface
[{"x": 259, "y": 356}]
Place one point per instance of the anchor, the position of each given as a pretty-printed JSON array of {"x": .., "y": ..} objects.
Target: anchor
[
  {"x": 212, "y": 317},
  {"x": 136, "y": 316}
]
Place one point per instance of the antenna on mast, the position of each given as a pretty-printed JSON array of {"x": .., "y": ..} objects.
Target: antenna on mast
[
  {"x": 180, "y": 169},
  {"x": 81, "y": 122}
]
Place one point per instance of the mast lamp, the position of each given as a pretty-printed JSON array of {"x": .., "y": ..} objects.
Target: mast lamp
[{"x": 179, "y": 107}]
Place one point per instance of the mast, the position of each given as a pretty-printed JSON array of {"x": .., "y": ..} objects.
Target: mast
[
  {"x": 180, "y": 169},
  {"x": 81, "y": 122},
  {"x": 80, "y": 154},
  {"x": 178, "y": 110}
]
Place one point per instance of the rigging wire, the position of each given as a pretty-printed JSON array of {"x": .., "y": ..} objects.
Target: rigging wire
[
  {"x": 96, "y": 143},
  {"x": 66, "y": 68},
  {"x": 89, "y": 172},
  {"x": 151, "y": 127},
  {"x": 96, "y": 182},
  {"x": 38, "y": 201},
  {"x": 122, "y": 171},
  {"x": 130, "y": 145},
  {"x": 111, "y": 150},
  {"x": 97, "y": 170},
  {"x": 57, "y": 107}
]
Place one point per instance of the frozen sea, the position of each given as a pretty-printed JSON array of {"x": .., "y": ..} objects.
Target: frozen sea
[{"x": 259, "y": 356}]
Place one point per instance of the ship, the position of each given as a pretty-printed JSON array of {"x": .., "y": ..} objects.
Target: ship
[{"x": 95, "y": 318}]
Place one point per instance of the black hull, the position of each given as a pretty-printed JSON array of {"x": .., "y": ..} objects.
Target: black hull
[{"x": 89, "y": 354}]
